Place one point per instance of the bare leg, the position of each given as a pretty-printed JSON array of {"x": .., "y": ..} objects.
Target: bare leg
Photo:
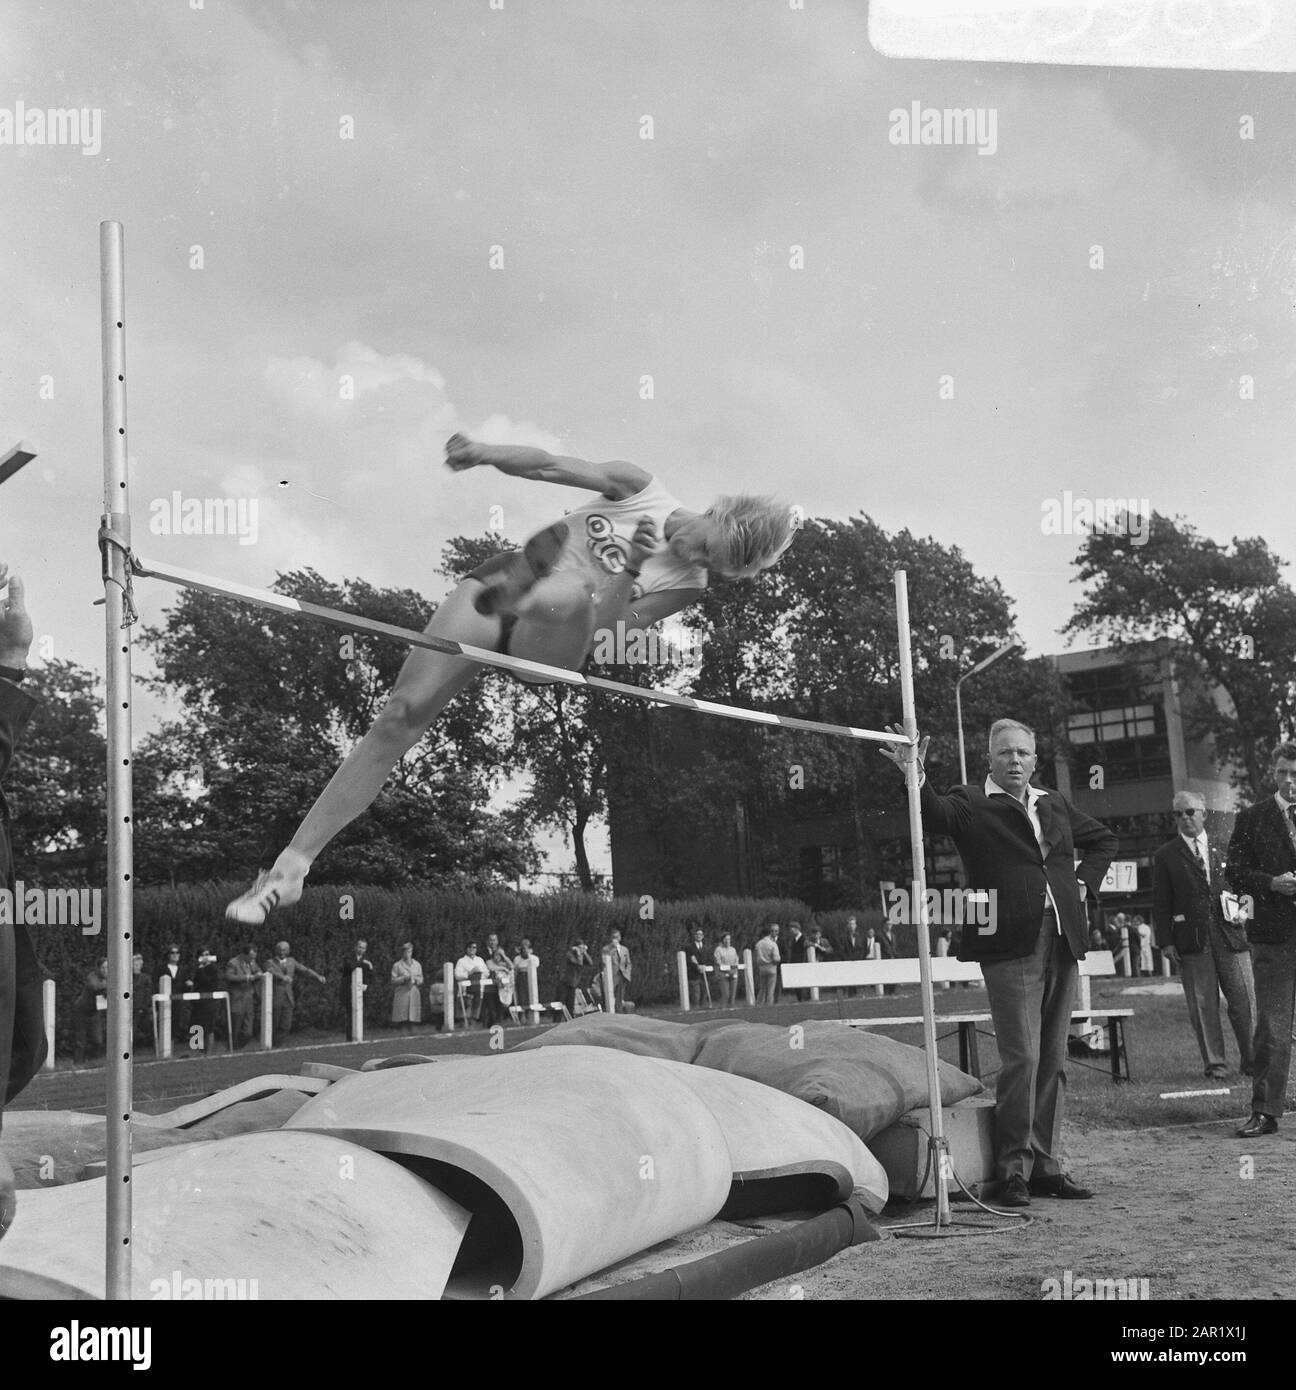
[{"x": 556, "y": 630}]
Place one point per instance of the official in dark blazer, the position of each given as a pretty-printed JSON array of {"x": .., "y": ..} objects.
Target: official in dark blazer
[
  {"x": 1193, "y": 931},
  {"x": 1261, "y": 869},
  {"x": 1019, "y": 842},
  {"x": 22, "y": 1014}
]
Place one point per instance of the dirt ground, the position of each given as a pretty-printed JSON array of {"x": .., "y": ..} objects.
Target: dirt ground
[{"x": 1197, "y": 1212}]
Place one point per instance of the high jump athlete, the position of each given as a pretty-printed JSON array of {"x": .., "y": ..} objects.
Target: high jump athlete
[{"x": 633, "y": 554}]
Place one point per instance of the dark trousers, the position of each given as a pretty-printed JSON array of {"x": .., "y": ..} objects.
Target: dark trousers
[
  {"x": 1275, "y": 993},
  {"x": 1205, "y": 974},
  {"x": 22, "y": 1012},
  {"x": 87, "y": 1034},
  {"x": 282, "y": 1020},
  {"x": 242, "y": 1014},
  {"x": 1030, "y": 1002}
]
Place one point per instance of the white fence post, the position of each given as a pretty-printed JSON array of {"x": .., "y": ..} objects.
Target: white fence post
[
  {"x": 609, "y": 985},
  {"x": 267, "y": 1010},
  {"x": 749, "y": 978},
  {"x": 162, "y": 1016},
  {"x": 357, "y": 1004},
  {"x": 681, "y": 968},
  {"x": 811, "y": 957},
  {"x": 448, "y": 985},
  {"x": 533, "y": 987},
  {"x": 875, "y": 953},
  {"x": 48, "y": 1000}
]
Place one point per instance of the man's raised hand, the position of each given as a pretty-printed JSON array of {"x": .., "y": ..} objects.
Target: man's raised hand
[{"x": 898, "y": 752}]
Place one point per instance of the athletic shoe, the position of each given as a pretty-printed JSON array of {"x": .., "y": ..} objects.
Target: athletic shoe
[
  {"x": 531, "y": 564},
  {"x": 272, "y": 889}
]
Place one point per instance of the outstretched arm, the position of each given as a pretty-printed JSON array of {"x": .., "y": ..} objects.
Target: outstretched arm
[{"x": 616, "y": 480}]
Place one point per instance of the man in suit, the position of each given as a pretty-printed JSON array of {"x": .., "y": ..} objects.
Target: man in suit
[
  {"x": 283, "y": 969},
  {"x": 1261, "y": 869},
  {"x": 621, "y": 968},
  {"x": 241, "y": 975},
  {"x": 1193, "y": 931},
  {"x": 22, "y": 1014},
  {"x": 180, "y": 984},
  {"x": 1019, "y": 843}
]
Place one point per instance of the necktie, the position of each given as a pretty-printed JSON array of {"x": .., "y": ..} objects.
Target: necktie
[{"x": 1201, "y": 859}]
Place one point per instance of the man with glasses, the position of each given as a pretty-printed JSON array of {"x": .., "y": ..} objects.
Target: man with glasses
[{"x": 1193, "y": 931}]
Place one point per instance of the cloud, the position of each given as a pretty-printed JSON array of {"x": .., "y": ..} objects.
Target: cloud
[{"x": 319, "y": 392}]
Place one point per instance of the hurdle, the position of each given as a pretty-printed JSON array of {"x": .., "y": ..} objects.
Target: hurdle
[{"x": 120, "y": 567}]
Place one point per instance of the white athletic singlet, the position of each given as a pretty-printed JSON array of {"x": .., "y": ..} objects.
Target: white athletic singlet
[{"x": 599, "y": 542}]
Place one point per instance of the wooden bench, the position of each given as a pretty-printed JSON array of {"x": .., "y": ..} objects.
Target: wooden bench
[{"x": 853, "y": 974}]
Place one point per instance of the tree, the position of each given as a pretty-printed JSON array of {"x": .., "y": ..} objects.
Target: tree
[
  {"x": 816, "y": 637},
  {"x": 268, "y": 703},
  {"x": 56, "y": 782},
  {"x": 1227, "y": 607}
]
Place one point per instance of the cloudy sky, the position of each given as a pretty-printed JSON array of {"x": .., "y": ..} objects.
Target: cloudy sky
[{"x": 455, "y": 208}]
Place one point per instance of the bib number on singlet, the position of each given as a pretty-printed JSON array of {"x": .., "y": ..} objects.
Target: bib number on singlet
[{"x": 606, "y": 548}]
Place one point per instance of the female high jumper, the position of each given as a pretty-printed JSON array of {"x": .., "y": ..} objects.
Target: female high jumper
[{"x": 604, "y": 563}]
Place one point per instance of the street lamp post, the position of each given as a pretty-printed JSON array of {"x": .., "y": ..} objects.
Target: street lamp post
[{"x": 1006, "y": 650}]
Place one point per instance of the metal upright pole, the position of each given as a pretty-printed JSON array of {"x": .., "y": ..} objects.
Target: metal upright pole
[
  {"x": 958, "y": 716},
  {"x": 939, "y": 1147},
  {"x": 114, "y": 543}
]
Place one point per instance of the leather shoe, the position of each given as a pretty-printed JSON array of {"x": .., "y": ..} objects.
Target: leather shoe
[
  {"x": 1015, "y": 1193},
  {"x": 1059, "y": 1185},
  {"x": 1257, "y": 1125}
]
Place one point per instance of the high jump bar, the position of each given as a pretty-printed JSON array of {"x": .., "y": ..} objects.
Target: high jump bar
[
  {"x": 18, "y": 457},
  {"x": 353, "y": 622}
]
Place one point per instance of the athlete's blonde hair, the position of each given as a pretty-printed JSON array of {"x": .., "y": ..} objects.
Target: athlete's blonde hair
[{"x": 748, "y": 534}]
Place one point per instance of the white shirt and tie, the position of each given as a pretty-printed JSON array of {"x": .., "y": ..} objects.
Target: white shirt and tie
[{"x": 1031, "y": 807}]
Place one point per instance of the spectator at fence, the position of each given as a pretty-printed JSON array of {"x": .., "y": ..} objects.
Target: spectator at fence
[
  {"x": 576, "y": 964},
  {"x": 1142, "y": 933},
  {"x": 141, "y": 1002},
  {"x": 283, "y": 969},
  {"x": 793, "y": 949},
  {"x": 357, "y": 960},
  {"x": 407, "y": 981},
  {"x": 1193, "y": 931},
  {"x": 622, "y": 969},
  {"x": 766, "y": 959},
  {"x": 470, "y": 975},
  {"x": 1118, "y": 938},
  {"x": 497, "y": 983},
  {"x": 208, "y": 1015},
  {"x": 241, "y": 975},
  {"x": 1262, "y": 868},
  {"x": 522, "y": 973},
  {"x": 87, "y": 1016},
  {"x": 853, "y": 946},
  {"x": 173, "y": 972},
  {"x": 725, "y": 957},
  {"x": 695, "y": 953}
]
